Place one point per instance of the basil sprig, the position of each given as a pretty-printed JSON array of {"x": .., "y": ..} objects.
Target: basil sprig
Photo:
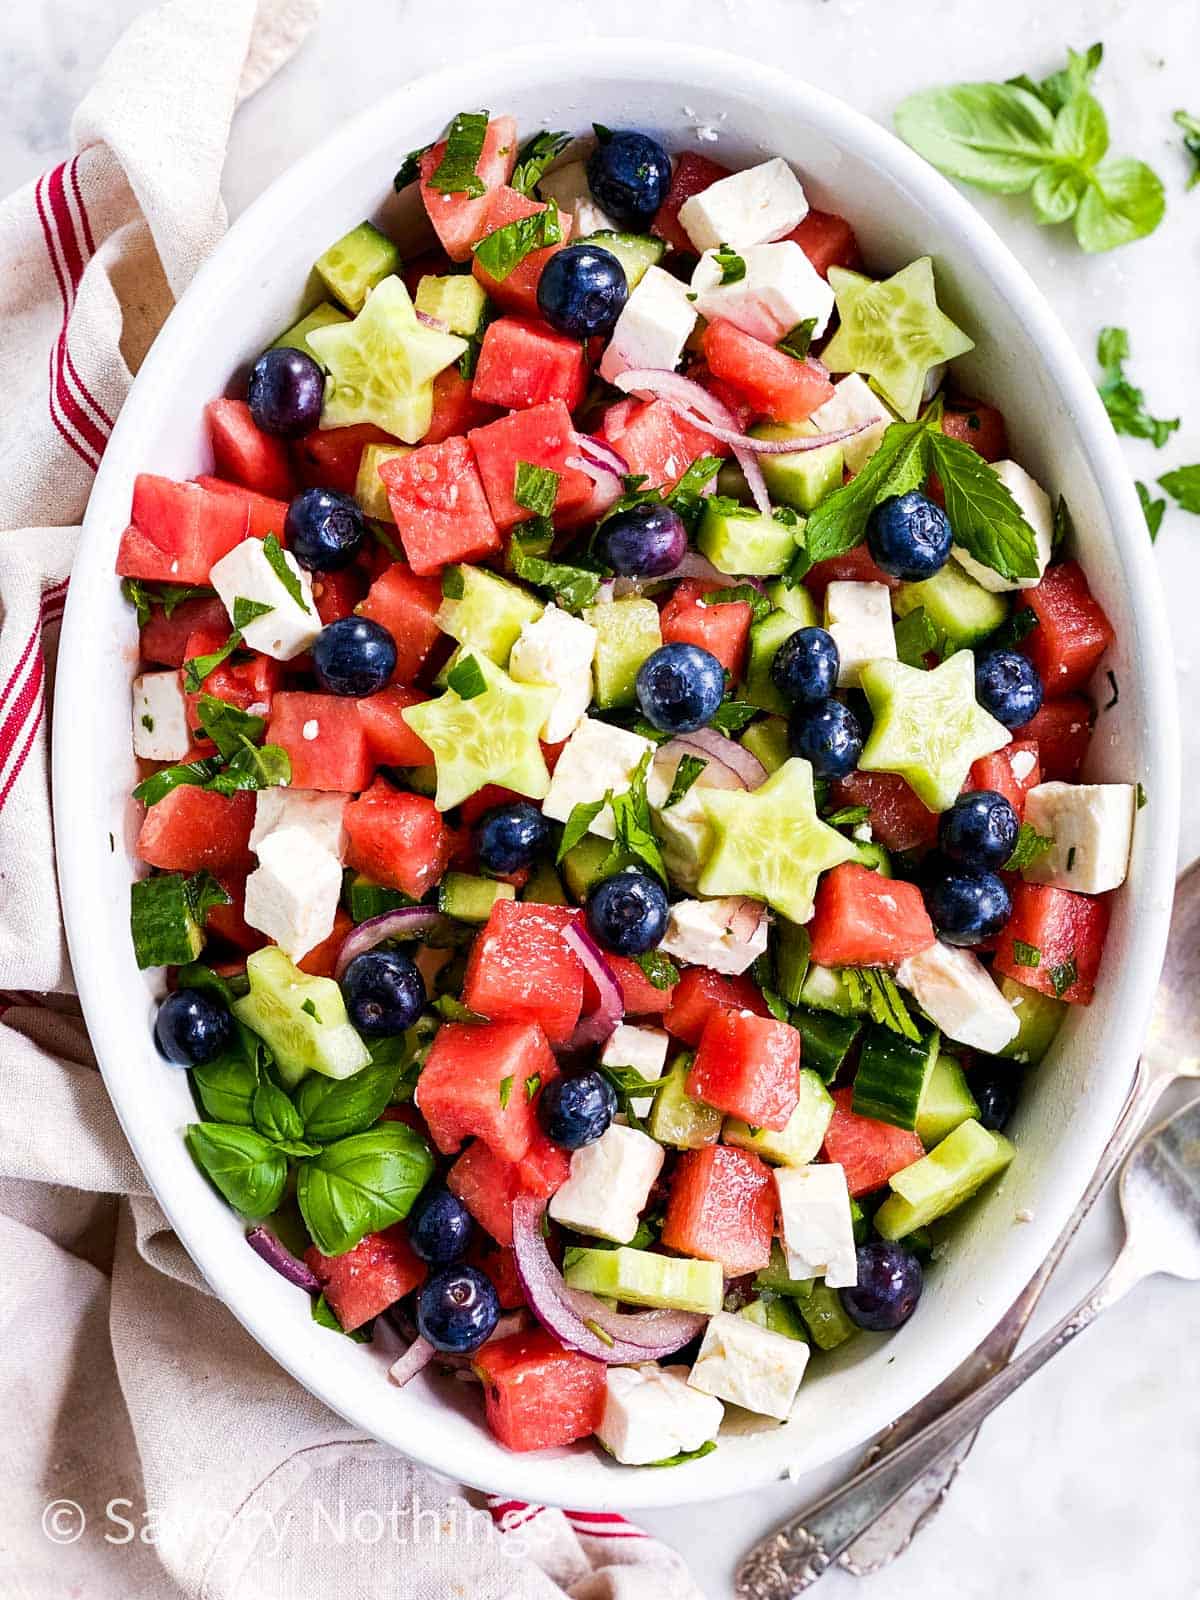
[{"x": 361, "y": 1184}]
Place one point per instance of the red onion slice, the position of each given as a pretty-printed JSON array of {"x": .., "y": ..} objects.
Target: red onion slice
[
  {"x": 600, "y": 1023},
  {"x": 264, "y": 1243},
  {"x": 433, "y": 322},
  {"x": 746, "y": 919},
  {"x": 755, "y": 481},
  {"x": 581, "y": 1321},
  {"x": 408, "y": 922},
  {"x": 415, "y": 1359},
  {"x": 602, "y": 453},
  {"x": 714, "y": 746},
  {"x": 693, "y": 401}
]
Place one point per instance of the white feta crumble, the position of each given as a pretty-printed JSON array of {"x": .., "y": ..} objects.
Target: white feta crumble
[
  {"x": 859, "y": 616},
  {"x": 311, "y": 729},
  {"x": 853, "y": 401},
  {"x": 1092, "y": 828},
  {"x": 716, "y": 933},
  {"x": 956, "y": 992},
  {"x": 289, "y": 626},
  {"x": 655, "y": 324},
  {"x": 1034, "y": 505},
  {"x": 780, "y": 288},
  {"x": 596, "y": 758},
  {"x": 160, "y": 720},
  {"x": 644, "y": 1049},
  {"x": 751, "y": 207},
  {"x": 609, "y": 1184},
  {"x": 557, "y": 650},
  {"x": 319, "y": 814},
  {"x": 817, "y": 1227},
  {"x": 749, "y": 1366},
  {"x": 652, "y": 1413},
  {"x": 1022, "y": 763},
  {"x": 292, "y": 895}
]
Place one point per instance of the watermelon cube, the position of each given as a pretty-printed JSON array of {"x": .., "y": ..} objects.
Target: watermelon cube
[
  {"x": 537, "y": 1394},
  {"x": 748, "y": 1066},
  {"x": 178, "y": 531},
  {"x": 164, "y": 639},
  {"x": 391, "y": 741},
  {"x": 1072, "y": 630},
  {"x": 381, "y": 1269},
  {"x": 193, "y": 829},
  {"x": 655, "y": 442},
  {"x": 335, "y": 594},
  {"x": 263, "y": 513},
  {"x": 228, "y": 923},
  {"x": 476, "y": 1084},
  {"x": 517, "y": 291},
  {"x": 525, "y": 363},
  {"x": 721, "y": 1208},
  {"x": 439, "y": 505},
  {"x": 498, "y": 1263},
  {"x": 455, "y": 407},
  {"x": 321, "y": 960},
  {"x": 1011, "y": 772},
  {"x": 1066, "y": 931},
  {"x": 827, "y": 240},
  {"x": 245, "y": 455},
  {"x": 249, "y": 685},
  {"x": 458, "y": 218},
  {"x": 869, "y": 1151},
  {"x": 397, "y": 839},
  {"x": 776, "y": 384},
  {"x": 981, "y": 426},
  {"x": 543, "y": 436},
  {"x": 691, "y": 175},
  {"x": 900, "y": 820},
  {"x": 641, "y": 997},
  {"x": 487, "y": 1184},
  {"x": 724, "y": 631},
  {"x": 328, "y": 458},
  {"x": 407, "y": 607},
  {"x": 855, "y": 566},
  {"x": 1061, "y": 729},
  {"x": 701, "y": 993},
  {"x": 520, "y": 970},
  {"x": 323, "y": 735},
  {"x": 862, "y": 919}
]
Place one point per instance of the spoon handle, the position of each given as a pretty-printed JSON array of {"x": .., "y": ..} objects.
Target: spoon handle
[{"x": 792, "y": 1559}]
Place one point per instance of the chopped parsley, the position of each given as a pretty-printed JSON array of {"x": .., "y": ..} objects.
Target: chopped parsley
[{"x": 732, "y": 265}]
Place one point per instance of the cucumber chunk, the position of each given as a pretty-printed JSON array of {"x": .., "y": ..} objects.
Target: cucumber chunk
[
  {"x": 951, "y": 1173},
  {"x": 827, "y": 1039},
  {"x": 826, "y": 1319},
  {"x": 777, "y": 1316},
  {"x": 303, "y": 1019},
  {"x": 353, "y": 265},
  {"x": 324, "y": 315},
  {"x": 873, "y": 856},
  {"x": 891, "y": 1077},
  {"x": 825, "y": 989},
  {"x": 802, "y": 480},
  {"x": 945, "y": 1102},
  {"x": 800, "y": 1141},
  {"x": 544, "y": 886},
  {"x": 642, "y": 1278},
  {"x": 1039, "y": 1017},
  {"x": 767, "y": 740},
  {"x": 627, "y": 631},
  {"x": 366, "y": 899},
  {"x": 368, "y": 486},
  {"x": 774, "y": 1278},
  {"x": 793, "y": 947},
  {"x": 582, "y": 863},
  {"x": 765, "y": 639},
  {"x": 457, "y": 300},
  {"x": 637, "y": 252},
  {"x": 470, "y": 899},
  {"x": 737, "y": 539},
  {"x": 163, "y": 923},
  {"x": 485, "y": 611},
  {"x": 962, "y": 610},
  {"x": 795, "y": 600},
  {"x": 678, "y": 1120}
]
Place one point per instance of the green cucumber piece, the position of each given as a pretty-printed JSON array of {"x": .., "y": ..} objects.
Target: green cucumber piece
[
  {"x": 873, "y": 856},
  {"x": 945, "y": 1102},
  {"x": 951, "y": 1173},
  {"x": 544, "y": 886},
  {"x": 792, "y": 947},
  {"x": 1039, "y": 1017},
  {"x": 774, "y": 1278},
  {"x": 777, "y": 1316},
  {"x": 302, "y": 1018},
  {"x": 961, "y": 610},
  {"x": 825, "y": 989},
  {"x": 802, "y": 480},
  {"x": 795, "y": 600},
  {"x": 366, "y": 899},
  {"x": 163, "y": 923},
  {"x": 765, "y": 639},
  {"x": 637, "y": 252},
  {"x": 422, "y": 780},
  {"x": 767, "y": 740},
  {"x": 581, "y": 865},
  {"x": 737, "y": 539},
  {"x": 470, "y": 899},
  {"x": 457, "y": 300},
  {"x": 826, "y": 1319},
  {"x": 678, "y": 1120},
  {"x": 368, "y": 486},
  {"x": 891, "y": 1077},
  {"x": 826, "y": 1039},
  {"x": 484, "y": 611},
  {"x": 800, "y": 1141},
  {"x": 627, "y": 631},
  {"x": 642, "y": 1278},
  {"x": 353, "y": 265},
  {"x": 323, "y": 315}
]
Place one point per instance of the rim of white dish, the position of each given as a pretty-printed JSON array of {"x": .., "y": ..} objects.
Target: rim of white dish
[{"x": 427, "y": 100}]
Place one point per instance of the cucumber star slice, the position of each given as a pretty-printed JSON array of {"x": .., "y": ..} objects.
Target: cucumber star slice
[
  {"x": 382, "y": 364},
  {"x": 770, "y": 843},
  {"x": 893, "y": 331},
  {"x": 928, "y": 727},
  {"x": 490, "y": 738}
]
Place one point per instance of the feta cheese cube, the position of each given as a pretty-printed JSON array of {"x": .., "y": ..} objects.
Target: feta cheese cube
[
  {"x": 956, "y": 992},
  {"x": 717, "y": 933},
  {"x": 290, "y": 626},
  {"x": 652, "y": 1413},
  {"x": 558, "y": 650},
  {"x": 1091, "y": 825},
  {"x": 596, "y": 758},
  {"x": 1034, "y": 505},
  {"x": 749, "y": 1366},
  {"x": 780, "y": 288},
  {"x": 859, "y": 616},
  {"x": 160, "y": 723},
  {"x": 643, "y": 1049},
  {"x": 567, "y": 187},
  {"x": 292, "y": 895},
  {"x": 818, "y": 1231},
  {"x": 655, "y": 324},
  {"x": 751, "y": 207},
  {"x": 318, "y": 813},
  {"x": 609, "y": 1184},
  {"x": 854, "y": 401}
]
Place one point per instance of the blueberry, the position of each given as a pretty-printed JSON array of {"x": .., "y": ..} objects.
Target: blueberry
[
  {"x": 968, "y": 907},
  {"x": 383, "y": 991},
  {"x": 354, "y": 656},
  {"x": 644, "y": 542},
  {"x": 576, "y": 1111},
  {"x": 191, "y": 1028},
  {"x": 324, "y": 530},
  {"x": 1008, "y": 685},
  {"x": 629, "y": 175},
  {"x": 679, "y": 687},
  {"x": 909, "y": 536},
  {"x": 439, "y": 1225},
  {"x": 581, "y": 291},
  {"x": 628, "y": 912},
  {"x": 285, "y": 392},
  {"x": 805, "y": 667},
  {"x": 457, "y": 1309},
  {"x": 979, "y": 830},
  {"x": 889, "y": 1285},
  {"x": 996, "y": 1086},
  {"x": 828, "y": 735},
  {"x": 509, "y": 838}
]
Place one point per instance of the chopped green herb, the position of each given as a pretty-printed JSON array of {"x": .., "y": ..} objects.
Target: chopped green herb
[
  {"x": 535, "y": 488},
  {"x": 1020, "y": 625},
  {"x": 1026, "y": 955},
  {"x": 686, "y": 773},
  {"x": 228, "y": 725},
  {"x": 534, "y": 157},
  {"x": 311, "y": 1010},
  {"x": 1063, "y": 529},
  {"x": 1059, "y": 87},
  {"x": 148, "y": 723},
  {"x": 323, "y": 1313},
  {"x": 253, "y": 767},
  {"x": 601, "y": 1333},
  {"x": 197, "y": 668},
  {"x": 500, "y": 252},
  {"x": 660, "y": 971},
  {"x": 160, "y": 784},
  {"x": 466, "y": 678},
  {"x": 245, "y": 611},
  {"x": 1063, "y": 976},
  {"x": 680, "y": 1456},
  {"x": 573, "y": 587},
  {"x": 1152, "y": 509},
  {"x": 505, "y": 1091},
  {"x": 634, "y": 832},
  {"x": 410, "y": 168},
  {"x": 577, "y": 824},
  {"x": 1191, "y": 142},
  {"x": 143, "y": 596},
  {"x": 744, "y": 593},
  {"x": 1071, "y": 859},
  {"x": 1183, "y": 485},
  {"x": 452, "y": 1010},
  {"x": 732, "y": 265},
  {"x": 532, "y": 1084},
  {"x": 1031, "y": 846},
  {"x": 603, "y": 134},
  {"x": 203, "y": 892},
  {"x": 849, "y": 816},
  {"x": 731, "y": 716},
  {"x": 875, "y": 989},
  {"x": 916, "y": 637},
  {"x": 1125, "y": 404},
  {"x": 687, "y": 497},
  {"x": 776, "y": 1005},
  {"x": 1140, "y": 796},
  {"x": 277, "y": 562},
  {"x": 455, "y": 172},
  {"x": 796, "y": 341}
]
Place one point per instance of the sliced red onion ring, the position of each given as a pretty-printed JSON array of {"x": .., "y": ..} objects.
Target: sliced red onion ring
[
  {"x": 692, "y": 400},
  {"x": 264, "y": 1243},
  {"x": 415, "y": 1359},
  {"x": 607, "y": 487},
  {"x": 755, "y": 481},
  {"x": 602, "y": 453},
  {"x": 600, "y": 1023},
  {"x": 718, "y": 774},
  {"x": 714, "y": 746},
  {"x": 581, "y": 1321},
  {"x": 408, "y": 922},
  {"x": 745, "y": 921},
  {"x": 433, "y": 322}
]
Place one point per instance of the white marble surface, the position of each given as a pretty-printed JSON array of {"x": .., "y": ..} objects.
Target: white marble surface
[{"x": 1087, "y": 1485}]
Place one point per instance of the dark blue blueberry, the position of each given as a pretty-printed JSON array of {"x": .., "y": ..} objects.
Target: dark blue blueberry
[
  {"x": 510, "y": 838},
  {"x": 576, "y": 1111},
  {"x": 889, "y": 1285},
  {"x": 439, "y": 1225},
  {"x": 383, "y": 991},
  {"x": 644, "y": 542},
  {"x": 979, "y": 830},
  {"x": 628, "y": 912},
  {"x": 354, "y": 656},
  {"x": 968, "y": 907},
  {"x": 581, "y": 291},
  {"x": 324, "y": 530},
  {"x": 191, "y": 1028},
  {"x": 679, "y": 687},
  {"x": 828, "y": 735},
  {"x": 805, "y": 667},
  {"x": 285, "y": 392},
  {"x": 457, "y": 1309},
  {"x": 909, "y": 536},
  {"x": 996, "y": 1086},
  {"x": 629, "y": 174},
  {"x": 1008, "y": 685}
]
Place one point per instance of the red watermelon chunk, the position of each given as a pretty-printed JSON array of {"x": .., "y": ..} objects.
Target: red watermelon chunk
[
  {"x": 691, "y": 175},
  {"x": 249, "y": 685},
  {"x": 164, "y": 639},
  {"x": 868, "y": 1151},
  {"x": 724, "y": 631},
  {"x": 192, "y": 829},
  {"x": 397, "y": 839},
  {"x": 476, "y": 1084},
  {"x": 520, "y": 969},
  {"x": 441, "y": 511},
  {"x": 748, "y": 1066},
  {"x": 458, "y": 218},
  {"x": 525, "y": 363},
  {"x": 1072, "y": 630},
  {"x": 542, "y": 436},
  {"x": 1067, "y": 930},
  {"x": 455, "y": 409},
  {"x": 487, "y": 1184},
  {"x": 328, "y": 458},
  {"x": 537, "y": 1394},
  {"x": 827, "y": 240},
  {"x": 855, "y": 566},
  {"x": 981, "y": 426},
  {"x": 1062, "y": 730},
  {"x": 228, "y": 922},
  {"x": 700, "y": 993},
  {"x": 321, "y": 960},
  {"x": 641, "y": 997},
  {"x": 500, "y": 1265},
  {"x": 390, "y": 739},
  {"x": 863, "y": 919},
  {"x": 655, "y": 442},
  {"x": 900, "y": 820},
  {"x": 323, "y": 735},
  {"x": 776, "y": 385},
  {"x": 517, "y": 291},
  {"x": 244, "y": 454},
  {"x": 407, "y": 607},
  {"x": 335, "y": 594},
  {"x": 179, "y": 531},
  {"x": 721, "y": 1208},
  {"x": 264, "y": 514},
  {"x": 381, "y": 1269},
  {"x": 1011, "y": 772}
]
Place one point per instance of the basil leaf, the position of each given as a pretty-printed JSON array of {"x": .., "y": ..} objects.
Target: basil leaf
[
  {"x": 1059, "y": 87},
  {"x": 160, "y": 784},
  {"x": 499, "y": 253},
  {"x": 1124, "y": 201},
  {"x": 1152, "y": 509},
  {"x": 1124, "y": 402},
  {"x": 227, "y": 725},
  {"x": 197, "y": 668},
  {"x": 797, "y": 340},
  {"x": 686, "y": 773},
  {"x": 1026, "y": 955},
  {"x": 1183, "y": 485},
  {"x": 455, "y": 172},
  {"x": 994, "y": 135},
  {"x": 227, "y": 1085},
  {"x": 986, "y": 519},
  {"x": 323, "y": 1313},
  {"x": 732, "y": 265},
  {"x": 275, "y": 1116},
  {"x": 361, "y": 1184},
  {"x": 466, "y": 678},
  {"x": 277, "y": 562},
  {"x": 254, "y": 767},
  {"x": 333, "y": 1108},
  {"x": 577, "y": 825},
  {"x": 840, "y": 521},
  {"x": 241, "y": 1164},
  {"x": 1191, "y": 142},
  {"x": 1031, "y": 846},
  {"x": 533, "y": 158},
  {"x": 1057, "y": 191},
  {"x": 1081, "y": 130},
  {"x": 535, "y": 488}
]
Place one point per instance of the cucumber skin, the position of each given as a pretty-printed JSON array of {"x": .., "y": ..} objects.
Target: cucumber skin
[
  {"x": 775, "y": 1279},
  {"x": 949, "y": 1175},
  {"x": 300, "y": 1043},
  {"x": 678, "y": 1120},
  {"x": 766, "y": 637},
  {"x": 470, "y": 899},
  {"x": 827, "y": 1039},
  {"x": 891, "y": 1077},
  {"x": 945, "y": 1103},
  {"x": 825, "y": 1318},
  {"x": 164, "y": 931},
  {"x": 777, "y": 1316}
]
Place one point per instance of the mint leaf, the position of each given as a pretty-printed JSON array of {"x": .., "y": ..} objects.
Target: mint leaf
[
  {"x": 849, "y": 816},
  {"x": 634, "y": 832},
  {"x": 254, "y": 767},
  {"x": 455, "y": 172},
  {"x": 731, "y": 716},
  {"x": 1031, "y": 846},
  {"x": 687, "y": 498},
  {"x": 136, "y": 592},
  {"x": 241, "y": 1164},
  {"x": 505, "y": 1094},
  {"x": 1152, "y": 509},
  {"x": 987, "y": 521},
  {"x": 660, "y": 971},
  {"x": 277, "y": 562},
  {"x": 573, "y": 587},
  {"x": 875, "y": 989},
  {"x": 1063, "y": 976},
  {"x": 732, "y": 265},
  {"x": 227, "y": 725},
  {"x": 916, "y": 636},
  {"x": 1191, "y": 142},
  {"x": 197, "y": 668},
  {"x": 680, "y": 1456},
  {"x": 502, "y": 251},
  {"x": 203, "y": 892},
  {"x": 535, "y": 488},
  {"x": 1125, "y": 404},
  {"x": 410, "y": 168},
  {"x": 796, "y": 341},
  {"x": 686, "y": 773},
  {"x": 323, "y": 1313},
  {"x": 245, "y": 611},
  {"x": 840, "y": 521},
  {"x": 577, "y": 825},
  {"x": 160, "y": 784},
  {"x": 534, "y": 157},
  {"x": 744, "y": 593},
  {"x": 466, "y": 678},
  {"x": 361, "y": 1184},
  {"x": 1183, "y": 485},
  {"x": 1026, "y": 955}
]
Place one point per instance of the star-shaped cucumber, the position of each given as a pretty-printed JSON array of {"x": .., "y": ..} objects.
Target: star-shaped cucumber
[
  {"x": 489, "y": 735},
  {"x": 893, "y": 331},
  {"x": 382, "y": 365},
  {"x": 929, "y": 727},
  {"x": 770, "y": 843}
]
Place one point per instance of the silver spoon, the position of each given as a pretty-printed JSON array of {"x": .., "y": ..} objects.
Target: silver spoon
[
  {"x": 1160, "y": 1200},
  {"x": 1172, "y": 1051}
]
